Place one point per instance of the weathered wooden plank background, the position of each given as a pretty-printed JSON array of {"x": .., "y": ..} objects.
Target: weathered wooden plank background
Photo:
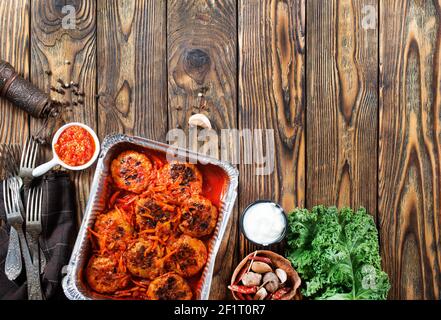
[
  {"x": 351, "y": 89},
  {"x": 409, "y": 202}
]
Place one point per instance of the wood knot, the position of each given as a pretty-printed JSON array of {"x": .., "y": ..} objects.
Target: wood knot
[{"x": 196, "y": 64}]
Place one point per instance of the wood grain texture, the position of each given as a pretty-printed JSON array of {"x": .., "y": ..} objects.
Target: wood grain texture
[
  {"x": 272, "y": 96},
  {"x": 201, "y": 56},
  {"x": 342, "y": 108},
  {"x": 410, "y": 146},
  {"x": 70, "y": 54},
  {"x": 14, "y": 49},
  {"x": 132, "y": 81}
]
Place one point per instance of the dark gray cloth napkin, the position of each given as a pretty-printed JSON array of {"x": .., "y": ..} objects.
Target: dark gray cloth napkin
[{"x": 57, "y": 239}]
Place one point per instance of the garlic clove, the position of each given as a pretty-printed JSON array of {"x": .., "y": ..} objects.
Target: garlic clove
[
  {"x": 261, "y": 294},
  {"x": 261, "y": 267},
  {"x": 281, "y": 274},
  {"x": 199, "y": 120}
]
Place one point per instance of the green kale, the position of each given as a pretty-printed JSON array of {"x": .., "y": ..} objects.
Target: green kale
[{"x": 336, "y": 254}]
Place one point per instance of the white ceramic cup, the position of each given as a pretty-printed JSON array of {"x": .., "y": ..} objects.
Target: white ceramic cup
[{"x": 41, "y": 170}]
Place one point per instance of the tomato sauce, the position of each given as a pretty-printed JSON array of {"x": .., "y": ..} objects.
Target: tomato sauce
[{"x": 75, "y": 146}]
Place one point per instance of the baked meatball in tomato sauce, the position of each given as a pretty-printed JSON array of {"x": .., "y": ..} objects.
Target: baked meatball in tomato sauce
[
  {"x": 113, "y": 230},
  {"x": 131, "y": 171},
  {"x": 199, "y": 217},
  {"x": 182, "y": 179},
  {"x": 103, "y": 276},
  {"x": 169, "y": 286},
  {"x": 188, "y": 256},
  {"x": 150, "y": 212},
  {"x": 142, "y": 260}
]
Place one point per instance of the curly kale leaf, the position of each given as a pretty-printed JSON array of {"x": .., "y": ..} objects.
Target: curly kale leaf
[{"x": 336, "y": 253}]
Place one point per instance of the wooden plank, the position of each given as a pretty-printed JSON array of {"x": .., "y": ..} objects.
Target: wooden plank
[
  {"x": 132, "y": 83},
  {"x": 14, "y": 49},
  {"x": 202, "y": 58},
  {"x": 410, "y": 147},
  {"x": 272, "y": 96},
  {"x": 70, "y": 54},
  {"x": 342, "y": 105}
]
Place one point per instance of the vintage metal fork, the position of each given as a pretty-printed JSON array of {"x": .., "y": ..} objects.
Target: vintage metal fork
[
  {"x": 33, "y": 221},
  {"x": 11, "y": 198},
  {"x": 28, "y": 160},
  {"x": 9, "y": 168},
  {"x": 27, "y": 165}
]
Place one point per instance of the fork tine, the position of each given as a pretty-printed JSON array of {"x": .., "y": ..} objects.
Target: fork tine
[
  {"x": 9, "y": 196},
  {"x": 40, "y": 201},
  {"x": 12, "y": 195},
  {"x": 28, "y": 205},
  {"x": 33, "y": 156},
  {"x": 5, "y": 192},
  {"x": 28, "y": 153},
  {"x": 15, "y": 194},
  {"x": 24, "y": 154},
  {"x": 34, "y": 204}
]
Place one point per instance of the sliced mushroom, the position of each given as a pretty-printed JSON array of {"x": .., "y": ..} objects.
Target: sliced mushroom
[
  {"x": 261, "y": 267},
  {"x": 199, "y": 120},
  {"x": 281, "y": 274}
]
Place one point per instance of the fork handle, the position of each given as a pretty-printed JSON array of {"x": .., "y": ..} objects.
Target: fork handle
[
  {"x": 43, "y": 261},
  {"x": 32, "y": 272},
  {"x": 37, "y": 254},
  {"x": 33, "y": 247},
  {"x": 13, "y": 263}
]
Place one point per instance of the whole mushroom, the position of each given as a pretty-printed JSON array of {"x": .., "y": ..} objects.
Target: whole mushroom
[{"x": 271, "y": 282}]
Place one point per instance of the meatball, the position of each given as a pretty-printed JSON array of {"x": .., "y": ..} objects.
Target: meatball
[
  {"x": 103, "y": 276},
  {"x": 188, "y": 256},
  {"x": 150, "y": 212},
  {"x": 113, "y": 230},
  {"x": 131, "y": 171},
  {"x": 183, "y": 179},
  {"x": 169, "y": 286},
  {"x": 142, "y": 260},
  {"x": 199, "y": 217}
]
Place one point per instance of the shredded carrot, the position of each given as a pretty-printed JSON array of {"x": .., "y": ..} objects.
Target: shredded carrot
[
  {"x": 113, "y": 198},
  {"x": 147, "y": 231},
  {"x": 169, "y": 254},
  {"x": 98, "y": 236},
  {"x": 140, "y": 284}
]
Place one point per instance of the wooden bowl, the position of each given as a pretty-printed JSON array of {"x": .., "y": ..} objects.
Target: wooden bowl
[{"x": 277, "y": 262}]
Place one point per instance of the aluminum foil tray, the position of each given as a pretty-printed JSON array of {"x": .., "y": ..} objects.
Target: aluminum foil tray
[{"x": 74, "y": 285}]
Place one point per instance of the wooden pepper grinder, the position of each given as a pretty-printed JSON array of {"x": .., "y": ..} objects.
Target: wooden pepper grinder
[{"x": 23, "y": 93}]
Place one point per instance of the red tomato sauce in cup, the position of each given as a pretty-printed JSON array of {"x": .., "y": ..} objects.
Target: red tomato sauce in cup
[{"x": 75, "y": 146}]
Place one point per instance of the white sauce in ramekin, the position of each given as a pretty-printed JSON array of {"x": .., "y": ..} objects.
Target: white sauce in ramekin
[{"x": 264, "y": 223}]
